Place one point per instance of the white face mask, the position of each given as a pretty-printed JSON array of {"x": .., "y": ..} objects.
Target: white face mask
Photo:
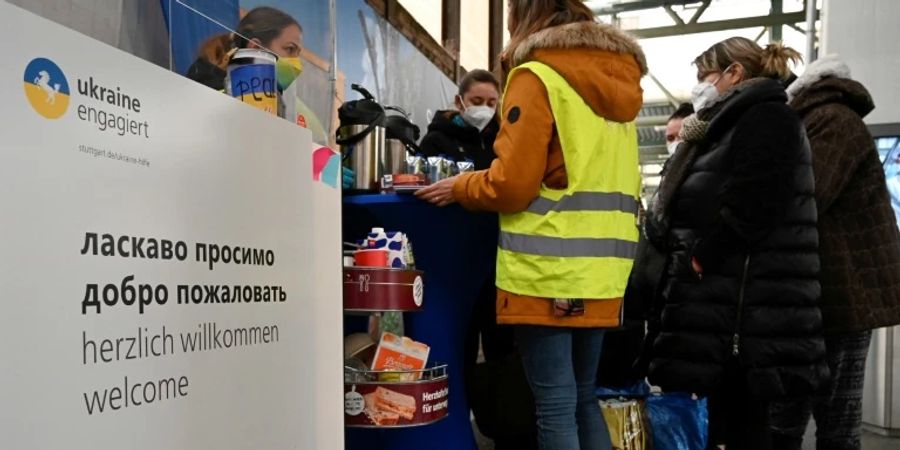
[
  {"x": 478, "y": 116},
  {"x": 672, "y": 146},
  {"x": 705, "y": 93}
]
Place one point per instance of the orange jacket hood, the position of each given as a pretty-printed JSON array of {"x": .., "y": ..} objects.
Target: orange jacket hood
[{"x": 602, "y": 63}]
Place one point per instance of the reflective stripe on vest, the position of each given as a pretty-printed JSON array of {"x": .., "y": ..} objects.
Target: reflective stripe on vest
[
  {"x": 577, "y": 242},
  {"x": 571, "y": 247},
  {"x": 586, "y": 201}
]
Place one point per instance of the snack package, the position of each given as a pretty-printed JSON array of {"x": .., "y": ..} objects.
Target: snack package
[
  {"x": 376, "y": 239},
  {"x": 465, "y": 166},
  {"x": 401, "y": 354},
  {"x": 403, "y": 180},
  {"x": 387, "y": 182},
  {"x": 403, "y": 183},
  {"x": 434, "y": 169},
  {"x": 395, "y": 242},
  {"x": 408, "y": 251},
  {"x": 417, "y": 165},
  {"x": 396, "y": 252},
  {"x": 449, "y": 168}
]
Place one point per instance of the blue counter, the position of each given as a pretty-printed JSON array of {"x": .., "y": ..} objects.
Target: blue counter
[{"x": 457, "y": 251}]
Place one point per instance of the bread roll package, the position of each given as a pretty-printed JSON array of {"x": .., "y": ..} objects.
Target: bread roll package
[{"x": 401, "y": 354}]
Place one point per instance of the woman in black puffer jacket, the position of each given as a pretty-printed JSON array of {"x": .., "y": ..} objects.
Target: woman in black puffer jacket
[{"x": 736, "y": 215}]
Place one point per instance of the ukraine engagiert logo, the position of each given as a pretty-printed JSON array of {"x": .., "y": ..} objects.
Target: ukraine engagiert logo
[
  {"x": 99, "y": 103},
  {"x": 46, "y": 88}
]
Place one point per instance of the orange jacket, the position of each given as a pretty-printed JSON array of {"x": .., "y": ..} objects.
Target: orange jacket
[{"x": 604, "y": 65}]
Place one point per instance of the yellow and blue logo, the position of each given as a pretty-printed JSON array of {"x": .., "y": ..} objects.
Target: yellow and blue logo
[{"x": 46, "y": 88}]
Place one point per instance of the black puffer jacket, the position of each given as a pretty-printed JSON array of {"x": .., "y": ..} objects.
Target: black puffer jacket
[
  {"x": 449, "y": 135},
  {"x": 746, "y": 211}
]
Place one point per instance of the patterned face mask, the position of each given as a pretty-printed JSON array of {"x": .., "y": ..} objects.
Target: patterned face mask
[{"x": 287, "y": 70}]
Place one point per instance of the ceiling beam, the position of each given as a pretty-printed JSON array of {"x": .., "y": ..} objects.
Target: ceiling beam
[
  {"x": 797, "y": 28},
  {"x": 450, "y": 30},
  {"x": 406, "y": 24},
  {"x": 495, "y": 31},
  {"x": 722, "y": 25},
  {"x": 811, "y": 38},
  {"x": 651, "y": 121},
  {"x": 674, "y": 15},
  {"x": 700, "y": 11},
  {"x": 775, "y": 32},
  {"x": 636, "y": 5},
  {"x": 672, "y": 100}
]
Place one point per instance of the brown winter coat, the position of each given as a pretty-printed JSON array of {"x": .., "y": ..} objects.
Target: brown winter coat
[
  {"x": 604, "y": 65},
  {"x": 859, "y": 239}
]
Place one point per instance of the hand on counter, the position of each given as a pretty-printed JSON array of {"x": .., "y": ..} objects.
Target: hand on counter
[{"x": 440, "y": 193}]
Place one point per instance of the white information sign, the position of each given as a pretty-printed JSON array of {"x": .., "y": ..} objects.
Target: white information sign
[{"x": 169, "y": 261}]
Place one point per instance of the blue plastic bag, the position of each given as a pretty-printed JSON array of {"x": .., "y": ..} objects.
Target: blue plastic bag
[
  {"x": 677, "y": 422},
  {"x": 639, "y": 390}
]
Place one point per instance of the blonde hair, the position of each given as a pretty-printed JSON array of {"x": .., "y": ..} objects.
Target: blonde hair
[
  {"x": 770, "y": 62},
  {"x": 530, "y": 16}
]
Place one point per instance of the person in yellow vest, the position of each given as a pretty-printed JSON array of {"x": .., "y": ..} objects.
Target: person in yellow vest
[{"x": 566, "y": 182}]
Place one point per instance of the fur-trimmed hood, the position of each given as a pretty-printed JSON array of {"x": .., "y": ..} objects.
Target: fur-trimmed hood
[
  {"x": 602, "y": 63},
  {"x": 829, "y": 66},
  {"x": 581, "y": 35},
  {"x": 828, "y": 80}
]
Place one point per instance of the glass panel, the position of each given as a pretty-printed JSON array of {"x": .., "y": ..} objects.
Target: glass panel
[
  {"x": 137, "y": 27},
  {"x": 375, "y": 55},
  {"x": 204, "y": 32},
  {"x": 885, "y": 145},
  {"x": 193, "y": 23},
  {"x": 310, "y": 100},
  {"x": 890, "y": 148}
]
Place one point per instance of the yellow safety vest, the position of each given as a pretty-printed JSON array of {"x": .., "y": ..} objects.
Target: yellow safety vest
[{"x": 578, "y": 242}]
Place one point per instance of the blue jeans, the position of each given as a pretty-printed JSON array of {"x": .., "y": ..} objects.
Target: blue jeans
[{"x": 561, "y": 366}]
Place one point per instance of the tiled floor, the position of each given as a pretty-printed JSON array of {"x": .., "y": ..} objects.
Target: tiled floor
[
  {"x": 483, "y": 442},
  {"x": 875, "y": 442},
  {"x": 870, "y": 441}
]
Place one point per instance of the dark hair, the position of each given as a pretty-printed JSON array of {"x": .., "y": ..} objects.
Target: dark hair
[
  {"x": 770, "y": 62},
  {"x": 477, "y": 76},
  {"x": 263, "y": 23},
  {"x": 684, "y": 110}
]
